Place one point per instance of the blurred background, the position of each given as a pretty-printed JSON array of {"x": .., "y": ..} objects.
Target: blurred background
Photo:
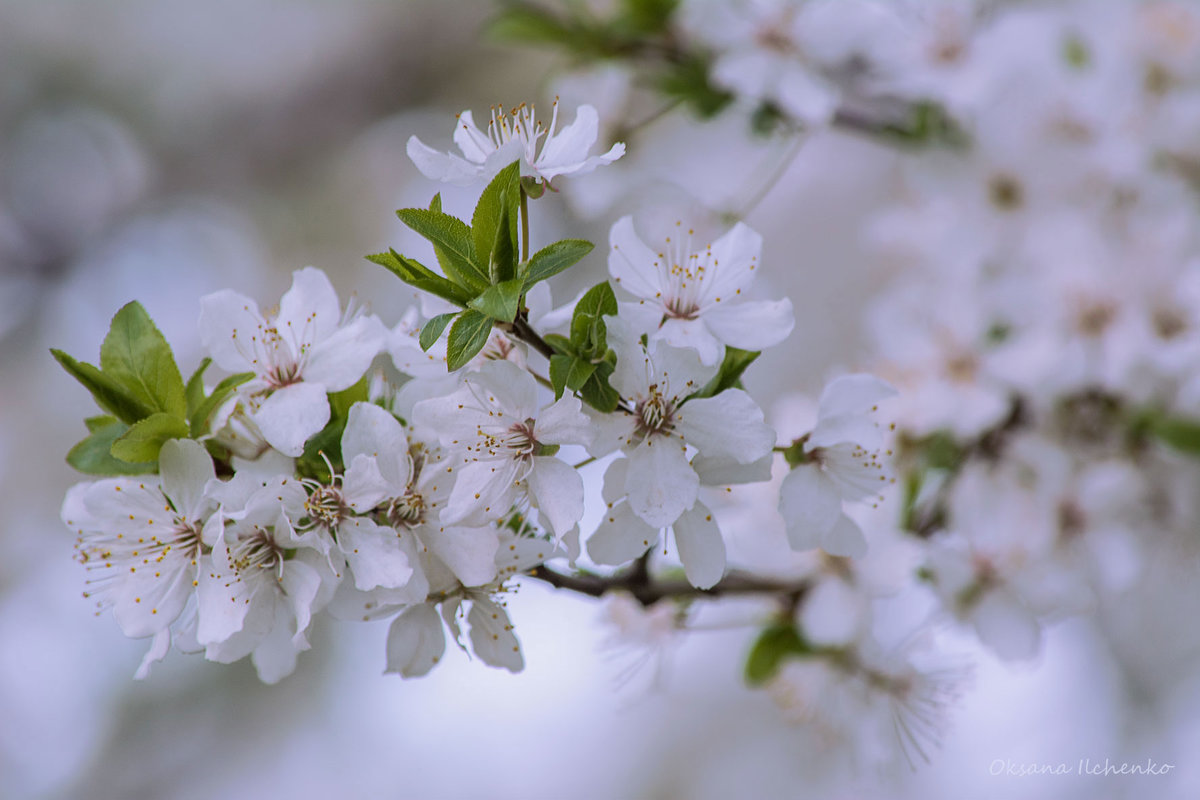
[{"x": 159, "y": 150}]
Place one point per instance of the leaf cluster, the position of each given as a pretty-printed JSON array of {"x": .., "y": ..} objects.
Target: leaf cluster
[
  {"x": 146, "y": 402},
  {"x": 583, "y": 362}
]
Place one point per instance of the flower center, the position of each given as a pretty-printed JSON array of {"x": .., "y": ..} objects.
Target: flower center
[
  {"x": 521, "y": 125},
  {"x": 258, "y": 551},
  {"x": 407, "y": 511},
  {"x": 655, "y": 414},
  {"x": 326, "y": 507}
]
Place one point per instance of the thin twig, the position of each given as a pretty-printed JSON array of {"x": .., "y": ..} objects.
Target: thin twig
[{"x": 648, "y": 590}]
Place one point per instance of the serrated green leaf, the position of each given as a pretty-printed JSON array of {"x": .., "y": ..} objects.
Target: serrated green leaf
[
  {"x": 579, "y": 374},
  {"x": 554, "y": 258},
  {"x": 588, "y": 334},
  {"x": 504, "y": 192},
  {"x": 136, "y": 355},
  {"x": 502, "y": 264},
  {"x": 501, "y": 301},
  {"x": 418, "y": 275},
  {"x": 468, "y": 335},
  {"x": 93, "y": 455},
  {"x": 108, "y": 393},
  {"x": 194, "y": 391},
  {"x": 560, "y": 365},
  {"x": 597, "y": 392},
  {"x": 730, "y": 372},
  {"x": 431, "y": 331},
  {"x": 97, "y": 423},
  {"x": 201, "y": 416},
  {"x": 452, "y": 243},
  {"x": 145, "y": 438},
  {"x": 560, "y": 344},
  {"x": 774, "y": 646}
]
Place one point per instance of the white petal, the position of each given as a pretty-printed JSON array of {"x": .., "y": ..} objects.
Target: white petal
[
  {"x": 509, "y": 388},
  {"x": 374, "y": 554},
  {"x": 734, "y": 261},
  {"x": 726, "y": 471},
  {"x": 275, "y": 656},
  {"x": 569, "y": 146},
  {"x": 471, "y": 140},
  {"x": 415, "y": 642},
  {"x": 751, "y": 326},
  {"x": 661, "y": 484},
  {"x": 157, "y": 652},
  {"x": 483, "y": 490},
  {"x": 693, "y": 334},
  {"x": 620, "y": 537},
  {"x": 363, "y": 487},
  {"x": 729, "y": 424},
  {"x": 340, "y": 358},
  {"x": 853, "y": 394},
  {"x": 810, "y": 505},
  {"x": 292, "y": 415},
  {"x": 845, "y": 539},
  {"x": 373, "y": 431},
  {"x": 302, "y": 583},
  {"x": 1005, "y": 624},
  {"x": 186, "y": 468},
  {"x": 832, "y": 613},
  {"x": 557, "y": 492},
  {"x": 223, "y": 602},
  {"x": 563, "y": 423},
  {"x": 470, "y": 553},
  {"x": 633, "y": 265},
  {"x": 228, "y": 320},
  {"x": 642, "y": 316},
  {"x": 701, "y": 548},
  {"x": 441, "y": 166},
  {"x": 587, "y": 165},
  {"x": 614, "y": 480},
  {"x": 679, "y": 371},
  {"x": 309, "y": 311},
  {"x": 492, "y": 637}
]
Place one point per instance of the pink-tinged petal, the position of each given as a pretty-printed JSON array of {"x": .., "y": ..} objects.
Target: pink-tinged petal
[
  {"x": 339, "y": 359},
  {"x": 1006, "y": 625},
  {"x": 563, "y": 423},
  {"x": 729, "y": 424},
  {"x": 492, "y": 637},
  {"x": 755, "y": 325},
  {"x": 157, "y": 652},
  {"x": 692, "y": 334},
  {"x": 373, "y": 431},
  {"x": 810, "y": 505},
  {"x": 569, "y": 146},
  {"x": 441, "y": 166},
  {"x": 557, "y": 492},
  {"x": 633, "y": 266},
  {"x": 661, "y": 484},
  {"x": 853, "y": 394},
  {"x": 471, "y": 140},
  {"x": 470, "y": 553},
  {"x": 374, "y": 554},
  {"x": 620, "y": 537},
  {"x": 292, "y": 415},
  {"x": 845, "y": 539},
  {"x": 734, "y": 261},
  {"x": 309, "y": 311},
  {"x": 701, "y": 548},
  {"x": 186, "y": 468},
  {"x": 230, "y": 323},
  {"x": 416, "y": 641}
]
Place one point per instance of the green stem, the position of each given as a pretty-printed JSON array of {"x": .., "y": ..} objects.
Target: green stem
[{"x": 524, "y": 225}]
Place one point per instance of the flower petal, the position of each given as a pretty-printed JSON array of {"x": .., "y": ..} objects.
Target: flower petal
[
  {"x": 441, "y": 166},
  {"x": 729, "y": 424},
  {"x": 557, "y": 491},
  {"x": 228, "y": 323},
  {"x": 633, "y": 265},
  {"x": 292, "y": 415},
  {"x": 845, "y": 539},
  {"x": 661, "y": 484},
  {"x": 620, "y": 537},
  {"x": 373, "y": 431},
  {"x": 186, "y": 468},
  {"x": 810, "y": 505},
  {"x": 755, "y": 325},
  {"x": 853, "y": 394},
  {"x": 416, "y": 641},
  {"x": 492, "y": 637},
  {"x": 470, "y": 553},
  {"x": 339, "y": 359},
  {"x": 374, "y": 554},
  {"x": 309, "y": 311},
  {"x": 701, "y": 548}
]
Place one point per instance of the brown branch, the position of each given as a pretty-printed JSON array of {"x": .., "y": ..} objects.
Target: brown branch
[
  {"x": 647, "y": 590},
  {"x": 523, "y": 331}
]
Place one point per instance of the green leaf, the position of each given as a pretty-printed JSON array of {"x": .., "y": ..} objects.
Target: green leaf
[
  {"x": 418, "y": 275},
  {"x": 500, "y": 301},
  {"x": 772, "y": 648},
  {"x": 560, "y": 344},
  {"x": 108, "y": 393},
  {"x": 589, "y": 337},
  {"x": 452, "y": 242},
  {"x": 340, "y": 402},
  {"x": 553, "y": 259},
  {"x": 560, "y": 365},
  {"x": 194, "y": 391},
  {"x": 431, "y": 331},
  {"x": 98, "y": 423},
  {"x": 93, "y": 455},
  {"x": 730, "y": 372},
  {"x": 200, "y": 417},
  {"x": 579, "y": 374},
  {"x": 1181, "y": 434},
  {"x": 468, "y": 335},
  {"x": 503, "y": 192},
  {"x": 647, "y": 16},
  {"x": 136, "y": 355},
  {"x": 144, "y": 439},
  {"x": 529, "y": 24},
  {"x": 327, "y": 444},
  {"x": 597, "y": 392},
  {"x": 688, "y": 80},
  {"x": 502, "y": 264}
]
